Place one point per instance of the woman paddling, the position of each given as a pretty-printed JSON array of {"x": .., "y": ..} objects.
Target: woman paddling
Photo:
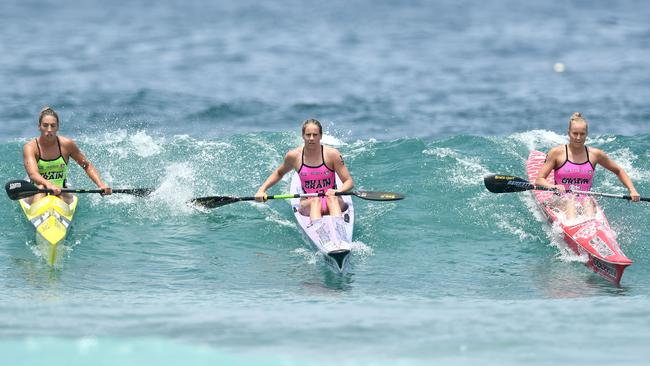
[
  {"x": 46, "y": 158},
  {"x": 316, "y": 165},
  {"x": 575, "y": 165}
]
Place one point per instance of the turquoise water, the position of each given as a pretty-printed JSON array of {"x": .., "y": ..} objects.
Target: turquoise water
[
  {"x": 204, "y": 98},
  {"x": 450, "y": 274}
]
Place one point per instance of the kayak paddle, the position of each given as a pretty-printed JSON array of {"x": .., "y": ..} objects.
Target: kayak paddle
[
  {"x": 18, "y": 189},
  {"x": 218, "y": 201},
  {"x": 501, "y": 183}
]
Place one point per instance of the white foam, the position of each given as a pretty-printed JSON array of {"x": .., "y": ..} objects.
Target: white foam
[
  {"x": 144, "y": 145},
  {"x": 565, "y": 254},
  {"x": 544, "y": 140},
  {"x": 470, "y": 166},
  {"x": 509, "y": 226},
  {"x": 309, "y": 255},
  {"x": 361, "y": 250},
  {"x": 539, "y": 139},
  {"x": 600, "y": 140},
  {"x": 530, "y": 202},
  {"x": 360, "y": 147},
  {"x": 273, "y": 216},
  {"x": 43, "y": 251},
  {"x": 175, "y": 190},
  {"x": 114, "y": 199},
  {"x": 554, "y": 233},
  {"x": 332, "y": 141},
  {"x": 626, "y": 159},
  {"x": 507, "y": 219},
  {"x": 374, "y": 211},
  {"x": 271, "y": 152},
  {"x": 109, "y": 138}
]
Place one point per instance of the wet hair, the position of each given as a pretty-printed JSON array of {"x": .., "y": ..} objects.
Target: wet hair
[
  {"x": 47, "y": 111},
  {"x": 312, "y": 121},
  {"x": 577, "y": 117}
]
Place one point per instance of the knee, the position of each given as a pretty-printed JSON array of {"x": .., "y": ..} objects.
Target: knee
[{"x": 315, "y": 202}]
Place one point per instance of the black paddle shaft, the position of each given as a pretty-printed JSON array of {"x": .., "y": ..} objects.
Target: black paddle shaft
[{"x": 19, "y": 189}]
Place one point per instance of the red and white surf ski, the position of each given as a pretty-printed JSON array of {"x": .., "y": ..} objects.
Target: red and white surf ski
[{"x": 592, "y": 237}]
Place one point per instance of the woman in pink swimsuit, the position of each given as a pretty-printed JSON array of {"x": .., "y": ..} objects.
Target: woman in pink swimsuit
[
  {"x": 575, "y": 165},
  {"x": 316, "y": 165}
]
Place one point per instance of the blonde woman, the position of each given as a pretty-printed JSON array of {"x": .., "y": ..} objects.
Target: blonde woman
[{"x": 575, "y": 165}]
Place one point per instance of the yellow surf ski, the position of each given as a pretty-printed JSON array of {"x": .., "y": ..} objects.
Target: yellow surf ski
[{"x": 51, "y": 217}]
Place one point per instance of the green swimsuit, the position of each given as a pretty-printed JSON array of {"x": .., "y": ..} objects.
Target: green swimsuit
[{"x": 55, "y": 170}]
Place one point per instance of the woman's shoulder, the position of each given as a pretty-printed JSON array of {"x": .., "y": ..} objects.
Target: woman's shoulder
[
  {"x": 595, "y": 154},
  {"x": 68, "y": 145},
  {"x": 30, "y": 146},
  {"x": 63, "y": 140},
  {"x": 330, "y": 151},
  {"x": 30, "y": 143},
  {"x": 594, "y": 150},
  {"x": 556, "y": 151},
  {"x": 333, "y": 158},
  {"x": 293, "y": 154}
]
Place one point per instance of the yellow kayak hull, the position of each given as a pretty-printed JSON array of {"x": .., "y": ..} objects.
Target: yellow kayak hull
[{"x": 51, "y": 217}]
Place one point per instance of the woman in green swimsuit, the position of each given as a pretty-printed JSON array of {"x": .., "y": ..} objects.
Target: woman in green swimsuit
[{"x": 46, "y": 158}]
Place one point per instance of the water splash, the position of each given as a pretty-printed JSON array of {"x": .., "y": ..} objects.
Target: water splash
[
  {"x": 539, "y": 139},
  {"x": 468, "y": 167}
]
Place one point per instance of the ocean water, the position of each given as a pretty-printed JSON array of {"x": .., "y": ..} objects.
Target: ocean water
[{"x": 199, "y": 98}]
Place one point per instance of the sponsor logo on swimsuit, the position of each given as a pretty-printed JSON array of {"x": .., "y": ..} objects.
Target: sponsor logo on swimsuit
[
  {"x": 53, "y": 175},
  {"x": 14, "y": 185},
  {"x": 318, "y": 183},
  {"x": 578, "y": 170},
  {"x": 567, "y": 180}
]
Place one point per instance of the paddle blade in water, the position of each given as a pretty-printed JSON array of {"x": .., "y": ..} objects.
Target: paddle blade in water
[
  {"x": 378, "y": 196},
  {"x": 214, "y": 201},
  {"x": 19, "y": 189},
  {"x": 496, "y": 183}
]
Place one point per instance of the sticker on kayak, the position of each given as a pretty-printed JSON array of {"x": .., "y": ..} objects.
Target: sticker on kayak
[
  {"x": 605, "y": 267},
  {"x": 601, "y": 247},
  {"x": 587, "y": 231},
  {"x": 340, "y": 229}
]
